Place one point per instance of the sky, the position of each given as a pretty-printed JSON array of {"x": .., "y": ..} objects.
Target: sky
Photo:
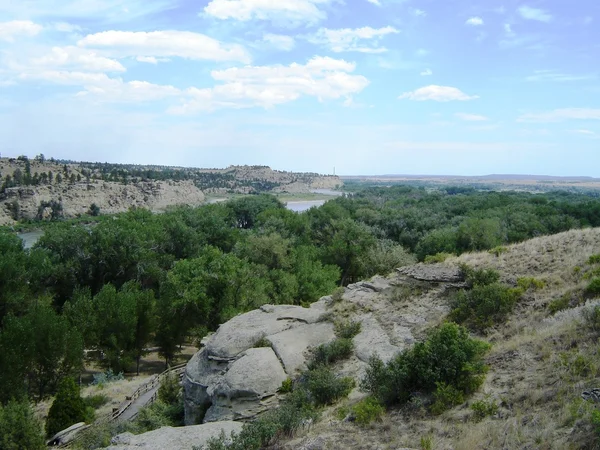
[{"x": 362, "y": 87}]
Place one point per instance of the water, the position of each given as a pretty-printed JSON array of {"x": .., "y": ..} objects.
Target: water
[
  {"x": 302, "y": 206},
  {"x": 30, "y": 238}
]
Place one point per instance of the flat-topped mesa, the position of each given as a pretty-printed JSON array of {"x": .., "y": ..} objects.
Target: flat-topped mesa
[{"x": 229, "y": 379}]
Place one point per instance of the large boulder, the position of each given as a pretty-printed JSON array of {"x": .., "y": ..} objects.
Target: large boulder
[
  {"x": 229, "y": 379},
  {"x": 184, "y": 438}
]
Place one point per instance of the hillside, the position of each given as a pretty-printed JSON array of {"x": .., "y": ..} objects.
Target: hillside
[
  {"x": 539, "y": 363},
  {"x": 42, "y": 189}
]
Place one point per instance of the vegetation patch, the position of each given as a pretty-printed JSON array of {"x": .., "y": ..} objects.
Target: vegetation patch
[
  {"x": 484, "y": 408},
  {"x": 336, "y": 350},
  {"x": 367, "y": 410}
]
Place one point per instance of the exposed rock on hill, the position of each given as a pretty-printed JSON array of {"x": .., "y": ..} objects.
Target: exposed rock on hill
[
  {"x": 184, "y": 438},
  {"x": 229, "y": 379},
  {"x": 110, "y": 197}
]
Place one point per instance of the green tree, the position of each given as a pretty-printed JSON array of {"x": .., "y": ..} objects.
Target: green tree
[
  {"x": 19, "y": 429},
  {"x": 67, "y": 409}
]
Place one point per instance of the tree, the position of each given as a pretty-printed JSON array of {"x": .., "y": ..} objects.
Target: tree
[
  {"x": 94, "y": 210},
  {"x": 67, "y": 409},
  {"x": 19, "y": 429}
]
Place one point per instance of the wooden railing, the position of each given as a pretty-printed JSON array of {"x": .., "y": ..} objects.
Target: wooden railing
[{"x": 153, "y": 383}]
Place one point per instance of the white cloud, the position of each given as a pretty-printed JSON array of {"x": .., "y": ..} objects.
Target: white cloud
[
  {"x": 151, "y": 59},
  {"x": 563, "y": 114},
  {"x": 75, "y": 58},
  {"x": 182, "y": 44},
  {"x": 352, "y": 40},
  {"x": 586, "y": 133},
  {"x": 508, "y": 30},
  {"x": 529, "y": 13},
  {"x": 553, "y": 75},
  {"x": 375, "y": 2},
  {"x": 438, "y": 94},
  {"x": 419, "y": 12},
  {"x": 10, "y": 30},
  {"x": 65, "y": 27},
  {"x": 471, "y": 117},
  {"x": 280, "y": 41},
  {"x": 267, "y": 86},
  {"x": 474, "y": 21},
  {"x": 295, "y": 11},
  {"x": 426, "y": 73}
]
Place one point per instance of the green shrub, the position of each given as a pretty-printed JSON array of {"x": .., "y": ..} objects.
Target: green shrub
[
  {"x": 169, "y": 391},
  {"x": 67, "y": 409},
  {"x": 437, "y": 258},
  {"x": 559, "y": 304},
  {"x": 484, "y": 306},
  {"x": 367, "y": 411},
  {"x": 484, "y": 408},
  {"x": 527, "y": 283},
  {"x": 101, "y": 379},
  {"x": 336, "y": 350},
  {"x": 19, "y": 429},
  {"x": 286, "y": 386},
  {"x": 96, "y": 401},
  {"x": 448, "y": 356},
  {"x": 479, "y": 277},
  {"x": 498, "y": 251},
  {"x": 347, "y": 330},
  {"x": 594, "y": 259},
  {"x": 100, "y": 434},
  {"x": 325, "y": 387},
  {"x": 446, "y": 396},
  {"x": 426, "y": 443},
  {"x": 152, "y": 417},
  {"x": 593, "y": 289}
]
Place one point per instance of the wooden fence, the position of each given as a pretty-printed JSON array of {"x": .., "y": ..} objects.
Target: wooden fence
[{"x": 153, "y": 383}]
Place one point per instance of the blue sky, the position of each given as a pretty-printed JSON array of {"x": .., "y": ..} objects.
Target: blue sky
[{"x": 365, "y": 86}]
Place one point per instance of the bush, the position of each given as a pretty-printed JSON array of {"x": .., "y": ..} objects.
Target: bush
[
  {"x": 367, "y": 411},
  {"x": 591, "y": 318},
  {"x": 19, "y": 429},
  {"x": 479, "y": 277},
  {"x": 336, "y": 350},
  {"x": 448, "y": 356},
  {"x": 169, "y": 391},
  {"x": 325, "y": 388},
  {"x": 263, "y": 343},
  {"x": 484, "y": 408},
  {"x": 484, "y": 306},
  {"x": 593, "y": 289},
  {"x": 559, "y": 304},
  {"x": 101, "y": 379},
  {"x": 498, "y": 251},
  {"x": 437, "y": 258},
  {"x": 286, "y": 386},
  {"x": 446, "y": 396},
  {"x": 527, "y": 283},
  {"x": 347, "y": 330},
  {"x": 594, "y": 259},
  {"x": 67, "y": 409},
  {"x": 96, "y": 401},
  {"x": 338, "y": 294}
]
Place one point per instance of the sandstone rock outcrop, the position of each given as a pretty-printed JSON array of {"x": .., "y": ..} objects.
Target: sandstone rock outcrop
[
  {"x": 183, "y": 438},
  {"x": 230, "y": 379},
  {"x": 110, "y": 197}
]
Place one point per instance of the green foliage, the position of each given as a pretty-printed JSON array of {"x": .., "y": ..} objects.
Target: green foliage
[
  {"x": 103, "y": 378},
  {"x": 527, "y": 283},
  {"x": 325, "y": 387},
  {"x": 19, "y": 429},
  {"x": 367, "y": 410},
  {"x": 559, "y": 304},
  {"x": 437, "y": 258},
  {"x": 67, "y": 409},
  {"x": 336, "y": 350},
  {"x": 263, "y": 343},
  {"x": 426, "y": 443},
  {"x": 96, "y": 401},
  {"x": 593, "y": 289},
  {"x": 484, "y": 408},
  {"x": 169, "y": 391},
  {"x": 286, "y": 386},
  {"x": 484, "y": 306},
  {"x": 347, "y": 330},
  {"x": 448, "y": 356},
  {"x": 445, "y": 397},
  {"x": 594, "y": 259},
  {"x": 158, "y": 415},
  {"x": 338, "y": 294},
  {"x": 479, "y": 277},
  {"x": 497, "y": 251}
]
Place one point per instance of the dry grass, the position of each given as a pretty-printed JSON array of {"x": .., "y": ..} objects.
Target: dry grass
[{"x": 539, "y": 365}]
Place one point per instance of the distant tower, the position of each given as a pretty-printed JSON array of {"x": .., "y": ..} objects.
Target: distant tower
[{"x": 334, "y": 171}]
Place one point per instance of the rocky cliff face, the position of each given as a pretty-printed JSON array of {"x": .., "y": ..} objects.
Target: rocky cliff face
[
  {"x": 232, "y": 379},
  {"x": 110, "y": 197}
]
